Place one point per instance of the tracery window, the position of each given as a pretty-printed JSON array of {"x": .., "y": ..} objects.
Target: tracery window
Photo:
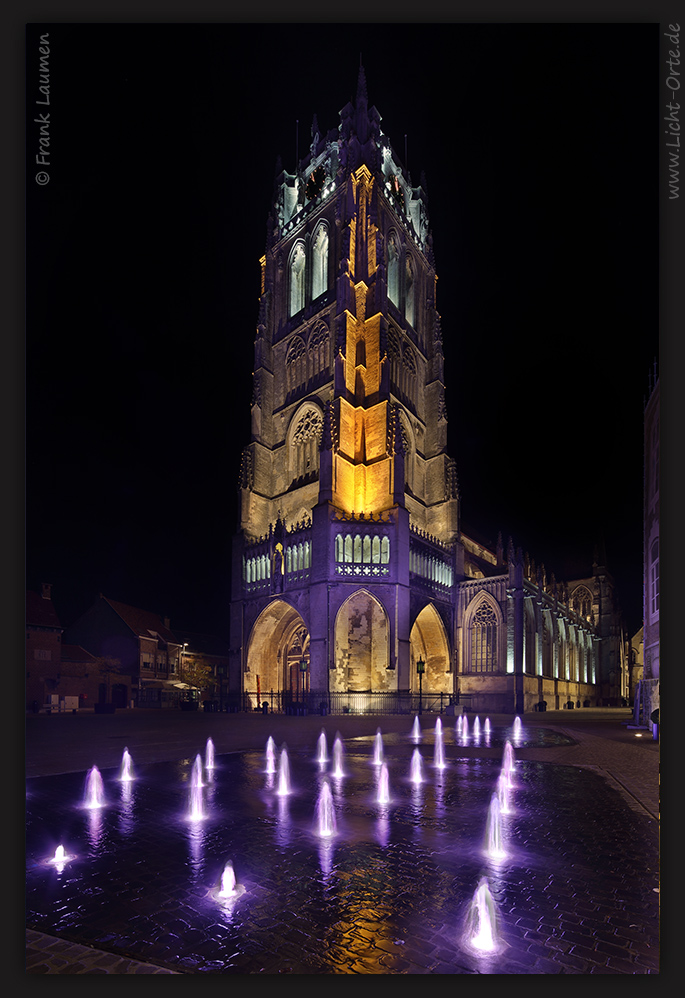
[
  {"x": 483, "y": 633},
  {"x": 409, "y": 292},
  {"x": 393, "y": 270},
  {"x": 297, "y": 279},
  {"x": 319, "y": 348},
  {"x": 296, "y": 364},
  {"x": 581, "y": 602},
  {"x": 320, "y": 262},
  {"x": 305, "y": 442}
]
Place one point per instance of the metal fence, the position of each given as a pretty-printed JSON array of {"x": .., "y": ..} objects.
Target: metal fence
[{"x": 362, "y": 702}]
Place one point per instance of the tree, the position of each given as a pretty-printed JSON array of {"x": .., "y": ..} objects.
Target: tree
[{"x": 197, "y": 672}]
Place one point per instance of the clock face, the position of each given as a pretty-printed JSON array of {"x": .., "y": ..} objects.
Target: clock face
[{"x": 315, "y": 183}]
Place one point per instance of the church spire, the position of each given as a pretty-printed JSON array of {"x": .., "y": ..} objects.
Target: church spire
[{"x": 362, "y": 99}]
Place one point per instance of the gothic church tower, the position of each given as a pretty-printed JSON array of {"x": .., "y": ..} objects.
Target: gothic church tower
[
  {"x": 350, "y": 567},
  {"x": 348, "y": 450}
]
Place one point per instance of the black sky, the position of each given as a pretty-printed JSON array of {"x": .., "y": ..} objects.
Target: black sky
[{"x": 540, "y": 149}]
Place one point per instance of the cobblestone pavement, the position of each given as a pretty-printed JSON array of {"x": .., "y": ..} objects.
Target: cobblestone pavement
[{"x": 580, "y": 896}]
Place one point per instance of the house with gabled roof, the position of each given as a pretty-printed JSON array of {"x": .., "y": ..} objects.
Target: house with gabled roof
[
  {"x": 43, "y": 646},
  {"x": 141, "y": 641}
]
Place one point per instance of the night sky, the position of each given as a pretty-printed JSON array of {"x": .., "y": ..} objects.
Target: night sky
[{"x": 540, "y": 148}]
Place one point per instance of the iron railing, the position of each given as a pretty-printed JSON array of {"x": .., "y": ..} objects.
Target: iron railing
[{"x": 358, "y": 702}]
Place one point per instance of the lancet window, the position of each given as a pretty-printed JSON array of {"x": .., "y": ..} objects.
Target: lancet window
[
  {"x": 297, "y": 279},
  {"x": 483, "y": 644},
  {"x": 393, "y": 269},
  {"x": 296, "y": 364},
  {"x": 304, "y": 449},
  {"x": 320, "y": 262}
]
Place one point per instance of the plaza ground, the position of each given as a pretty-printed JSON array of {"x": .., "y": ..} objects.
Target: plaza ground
[{"x": 603, "y": 742}]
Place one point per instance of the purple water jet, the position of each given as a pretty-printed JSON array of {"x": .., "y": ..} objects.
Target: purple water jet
[
  {"x": 60, "y": 859},
  {"x": 270, "y": 755},
  {"x": 209, "y": 754},
  {"x": 481, "y": 931},
  {"x": 126, "y": 771},
  {"x": 322, "y": 749},
  {"x": 378, "y": 748},
  {"x": 439, "y": 752},
  {"x": 504, "y": 793},
  {"x": 95, "y": 794},
  {"x": 416, "y": 772},
  {"x": 228, "y": 888},
  {"x": 508, "y": 762},
  {"x": 383, "y": 786},
  {"x": 338, "y": 757},
  {"x": 416, "y": 735},
  {"x": 494, "y": 846},
  {"x": 196, "y": 811},
  {"x": 283, "y": 774},
  {"x": 476, "y": 729},
  {"x": 325, "y": 814}
]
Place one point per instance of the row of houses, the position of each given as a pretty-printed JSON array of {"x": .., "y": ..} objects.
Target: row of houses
[{"x": 118, "y": 655}]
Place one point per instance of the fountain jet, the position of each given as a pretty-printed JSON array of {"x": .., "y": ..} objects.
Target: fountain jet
[
  {"x": 378, "y": 748},
  {"x": 95, "y": 795},
  {"x": 197, "y": 811},
  {"x": 383, "y": 786},
  {"x": 504, "y": 793},
  {"x": 416, "y": 772},
  {"x": 439, "y": 752},
  {"x": 270, "y": 755},
  {"x": 325, "y": 815},
  {"x": 476, "y": 729},
  {"x": 126, "y": 772},
  {"x": 508, "y": 762},
  {"x": 517, "y": 730},
  {"x": 60, "y": 859},
  {"x": 494, "y": 846},
  {"x": 482, "y": 932},
  {"x": 283, "y": 774},
  {"x": 322, "y": 749},
  {"x": 209, "y": 754},
  {"x": 338, "y": 757},
  {"x": 416, "y": 735},
  {"x": 228, "y": 887}
]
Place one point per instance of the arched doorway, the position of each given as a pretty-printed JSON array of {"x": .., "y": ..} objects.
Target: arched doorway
[
  {"x": 362, "y": 646},
  {"x": 428, "y": 641},
  {"x": 278, "y": 642}
]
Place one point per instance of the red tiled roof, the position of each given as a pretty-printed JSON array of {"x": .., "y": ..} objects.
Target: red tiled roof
[
  {"x": 75, "y": 653},
  {"x": 142, "y": 622},
  {"x": 41, "y": 612}
]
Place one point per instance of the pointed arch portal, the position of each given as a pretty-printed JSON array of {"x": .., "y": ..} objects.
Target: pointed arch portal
[
  {"x": 278, "y": 642},
  {"x": 428, "y": 641},
  {"x": 362, "y": 646}
]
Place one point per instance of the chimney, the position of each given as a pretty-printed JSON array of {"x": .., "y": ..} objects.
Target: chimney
[
  {"x": 167, "y": 623},
  {"x": 46, "y": 588}
]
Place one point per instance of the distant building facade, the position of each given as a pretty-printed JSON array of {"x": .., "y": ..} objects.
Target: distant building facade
[
  {"x": 43, "y": 647},
  {"x": 350, "y": 569},
  {"x": 143, "y": 643},
  {"x": 647, "y": 698}
]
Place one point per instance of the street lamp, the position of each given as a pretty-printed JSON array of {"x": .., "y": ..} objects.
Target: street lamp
[
  {"x": 303, "y": 670},
  {"x": 420, "y": 668}
]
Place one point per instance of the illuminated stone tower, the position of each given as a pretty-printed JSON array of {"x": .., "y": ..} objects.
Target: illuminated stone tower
[
  {"x": 350, "y": 565},
  {"x": 347, "y": 457}
]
